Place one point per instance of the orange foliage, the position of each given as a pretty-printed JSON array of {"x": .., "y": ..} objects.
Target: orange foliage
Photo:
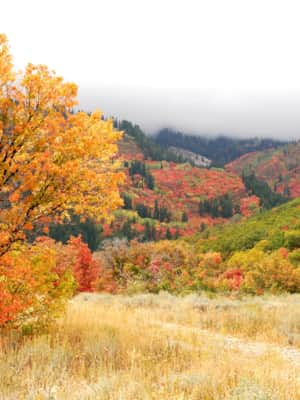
[
  {"x": 51, "y": 159},
  {"x": 249, "y": 205},
  {"x": 278, "y": 167},
  {"x": 34, "y": 283}
]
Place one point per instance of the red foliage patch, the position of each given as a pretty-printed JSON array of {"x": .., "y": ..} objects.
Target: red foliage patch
[{"x": 86, "y": 269}]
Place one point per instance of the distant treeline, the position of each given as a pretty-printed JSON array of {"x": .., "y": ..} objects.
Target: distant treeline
[
  {"x": 221, "y": 150},
  {"x": 148, "y": 146}
]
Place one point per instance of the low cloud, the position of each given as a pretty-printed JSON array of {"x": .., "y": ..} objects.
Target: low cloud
[{"x": 244, "y": 115}]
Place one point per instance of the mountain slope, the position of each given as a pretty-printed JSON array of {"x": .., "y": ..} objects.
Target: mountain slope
[
  {"x": 170, "y": 199},
  {"x": 278, "y": 226},
  {"x": 280, "y": 168},
  {"x": 221, "y": 150}
]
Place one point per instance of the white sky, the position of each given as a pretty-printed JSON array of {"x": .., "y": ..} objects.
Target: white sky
[{"x": 211, "y": 66}]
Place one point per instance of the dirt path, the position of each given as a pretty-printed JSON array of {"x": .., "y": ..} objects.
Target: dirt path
[{"x": 291, "y": 354}]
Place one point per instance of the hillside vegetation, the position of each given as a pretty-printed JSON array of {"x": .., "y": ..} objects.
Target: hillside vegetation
[
  {"x": 170, "y": 195},
  {"x": 258, "y": 255},
  {"x": 280, "y": 168},
  {"x": 275, "y": 227},
  {"x": 221, "y": 150},
  {"x": 168, "y": 199},
  {"x": 171, "y": 199}
]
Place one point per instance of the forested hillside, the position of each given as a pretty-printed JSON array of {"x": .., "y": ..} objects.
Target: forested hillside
[
  {"x": 221, "y": 150},
  {"x": 150, "y": 149},
  {"x": 278, "y": 227},
  {"x": 280, "y": 168},
  {"x": 166, "y": 197}
]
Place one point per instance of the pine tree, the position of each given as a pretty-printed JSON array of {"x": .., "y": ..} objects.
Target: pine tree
[
  {"x": 156, "y": 210},
  {"x": 168, "y": 234},
  {"x": 184, "y": 217}
]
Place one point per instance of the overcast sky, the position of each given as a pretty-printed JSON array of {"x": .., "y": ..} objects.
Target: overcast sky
[{"x": 211, "y": 66}]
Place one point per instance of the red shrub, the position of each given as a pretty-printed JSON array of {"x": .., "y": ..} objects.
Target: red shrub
[{"x": 85, "y": 269}]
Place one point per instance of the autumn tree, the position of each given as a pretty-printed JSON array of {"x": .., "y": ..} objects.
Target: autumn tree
[
  {"x": 52, "y": 160},
  {"x": 54, "y": 163}
]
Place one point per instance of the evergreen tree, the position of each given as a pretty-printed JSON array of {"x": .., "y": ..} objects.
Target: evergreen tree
[
  {"x": 150, "y": 232},
  {"x": 143, "y": 210},
  {"x": 127, "y": 230},
  {"x": 89, "y": 231},
  {"x": 149, "y": 147},
  {"x": 156, "y": 210},
  {"x": 184, "y": 217},
  {"x": 149, "y": 181},
  {"x": 139, "y": 167},
  {"x": 202, "y": 227},
  {"x": 226, "y": 206},
  {"x": 168, "y": 234},
  {"x": 127, "y": 202},
  {"x": 261, "y": 189}
]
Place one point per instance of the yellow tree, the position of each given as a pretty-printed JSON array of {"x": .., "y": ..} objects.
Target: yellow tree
[{"x": 52, "y": 160}]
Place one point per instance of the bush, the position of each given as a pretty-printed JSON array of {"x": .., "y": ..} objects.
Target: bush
[
  {"x": 266, "y": 271},
  {"x": 292, "y": 239},
  {"x": 34, "y": 285},
  {"x": 85, "y": 269}
]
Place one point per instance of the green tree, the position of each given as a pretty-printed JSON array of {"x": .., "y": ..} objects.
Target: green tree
[
  {"x": 184, "y": 217},
  {"x": 168, "y": 234}
]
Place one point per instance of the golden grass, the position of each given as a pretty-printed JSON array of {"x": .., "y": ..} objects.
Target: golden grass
[{"x": 159, "y": 347}]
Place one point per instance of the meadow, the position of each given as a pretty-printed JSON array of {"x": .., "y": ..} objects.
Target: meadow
[{"x": 161, "y": 346}]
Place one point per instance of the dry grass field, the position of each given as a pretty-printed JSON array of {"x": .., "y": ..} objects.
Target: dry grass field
[{"x": 160, "y": 347}]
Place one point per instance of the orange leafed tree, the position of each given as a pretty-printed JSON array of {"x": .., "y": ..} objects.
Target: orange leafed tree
[{"x": 52, "y": 160}]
